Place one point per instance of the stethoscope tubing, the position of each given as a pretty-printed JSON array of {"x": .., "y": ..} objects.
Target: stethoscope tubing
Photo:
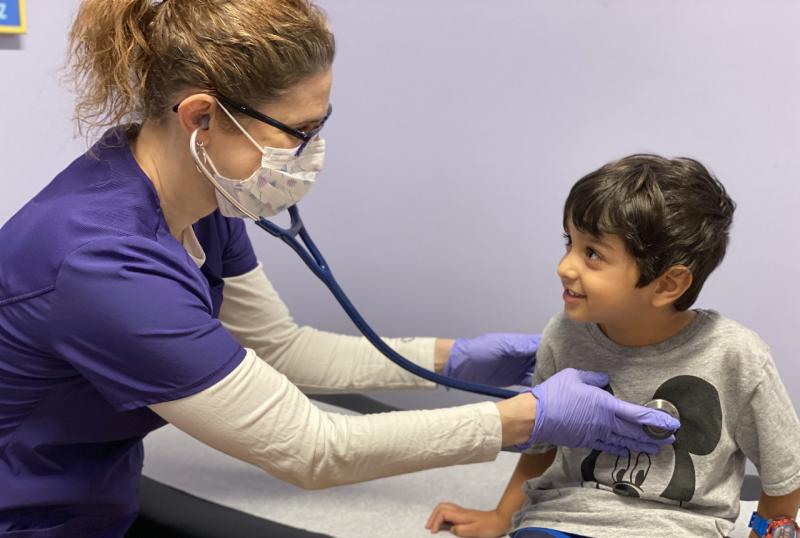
[{"x": 314, "y": 260}]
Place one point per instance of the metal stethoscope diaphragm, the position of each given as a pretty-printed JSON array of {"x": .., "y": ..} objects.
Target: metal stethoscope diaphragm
[{"x": 666, "y": 407}]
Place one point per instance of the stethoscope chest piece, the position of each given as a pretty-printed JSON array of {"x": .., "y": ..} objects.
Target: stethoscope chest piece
[{"x": 666, "y": 407}]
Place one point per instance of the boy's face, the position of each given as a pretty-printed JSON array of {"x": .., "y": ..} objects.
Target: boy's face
[{"x": 599, "y": 278}]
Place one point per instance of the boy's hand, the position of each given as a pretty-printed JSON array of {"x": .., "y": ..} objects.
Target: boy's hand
[{"x": 466, "y": 522}]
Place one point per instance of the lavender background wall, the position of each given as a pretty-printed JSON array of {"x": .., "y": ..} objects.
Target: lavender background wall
[{"x": 459, "y": 127}]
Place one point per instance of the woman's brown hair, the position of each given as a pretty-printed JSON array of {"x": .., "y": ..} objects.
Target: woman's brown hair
[{"x": 130, "y": 60}]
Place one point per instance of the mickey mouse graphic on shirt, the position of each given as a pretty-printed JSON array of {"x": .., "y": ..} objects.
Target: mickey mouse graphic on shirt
[{"x": 639, "y": 474}]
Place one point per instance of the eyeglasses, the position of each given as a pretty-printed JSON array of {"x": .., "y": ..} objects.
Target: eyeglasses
[{"x": 304, "y": 136}]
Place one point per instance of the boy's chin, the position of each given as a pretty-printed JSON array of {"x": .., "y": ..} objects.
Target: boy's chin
[{"x": 578, "y": 315}]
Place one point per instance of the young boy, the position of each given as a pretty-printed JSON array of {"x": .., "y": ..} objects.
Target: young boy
[{"x": 642, "y": 235}]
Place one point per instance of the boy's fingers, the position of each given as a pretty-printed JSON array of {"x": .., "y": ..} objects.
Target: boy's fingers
[
  {"x": 430, "y": 520},
  {"x": 457, "y": 517},
  {"x": 448, "y": 515},
  {"x": 431, "y": 517},
  {"x": 437, "y": 522},
  {"x": 464, "y": 529},
  {"x": 458, "y": 530},
  {"x": 436, "y": 510}
]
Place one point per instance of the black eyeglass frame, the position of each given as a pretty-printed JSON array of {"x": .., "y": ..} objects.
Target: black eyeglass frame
[{"x": 304, "y": 136}]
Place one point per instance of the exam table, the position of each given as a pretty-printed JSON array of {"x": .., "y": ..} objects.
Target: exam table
[{"x": 191, "y": 490}]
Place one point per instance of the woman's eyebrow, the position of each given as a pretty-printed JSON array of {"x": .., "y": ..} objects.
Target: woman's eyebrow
[
  {"x": 303, "y": 123},
  {"x": 309, "y": 121}
]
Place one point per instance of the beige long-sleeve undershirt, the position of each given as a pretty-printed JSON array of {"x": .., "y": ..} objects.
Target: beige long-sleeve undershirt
[
  {"x": 259, "y": 414},
  {"x": 315, "y": 361}
]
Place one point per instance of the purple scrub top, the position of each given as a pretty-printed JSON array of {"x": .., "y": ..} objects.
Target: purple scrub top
[{"x": 102, "y": 313}]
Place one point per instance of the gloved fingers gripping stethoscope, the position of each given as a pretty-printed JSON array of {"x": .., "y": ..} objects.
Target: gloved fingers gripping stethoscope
[
  {"x": 498, "y": 359},
  {"x": 572, "y": 408}
]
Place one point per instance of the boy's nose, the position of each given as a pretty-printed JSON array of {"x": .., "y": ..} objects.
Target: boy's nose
[{"x": 566, "y": 271}]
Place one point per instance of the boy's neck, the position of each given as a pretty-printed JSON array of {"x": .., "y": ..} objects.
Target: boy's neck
[{"x": 648, "y": 330}]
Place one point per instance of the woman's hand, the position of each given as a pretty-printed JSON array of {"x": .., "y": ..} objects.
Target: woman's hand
[
  {"x": 573, "y": 410},
  {"x": 466, "y": 522},
  {"x": 499, "y": 359}
]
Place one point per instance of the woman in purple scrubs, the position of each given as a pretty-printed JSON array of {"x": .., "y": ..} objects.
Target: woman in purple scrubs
[{"x": 130, "y": 295}]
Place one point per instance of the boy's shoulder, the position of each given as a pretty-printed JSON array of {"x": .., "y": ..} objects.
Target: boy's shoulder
[
  {"x": 732, "y": 350},
  {"x": 728, "y": 336}
]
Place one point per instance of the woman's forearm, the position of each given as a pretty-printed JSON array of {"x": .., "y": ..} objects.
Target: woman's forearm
[
  {"x": 256, "y": 415},
  {"x": 318, "y": 361}
]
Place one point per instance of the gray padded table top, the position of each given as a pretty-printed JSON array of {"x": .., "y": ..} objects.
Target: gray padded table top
[{"x": 389, "y": 507}]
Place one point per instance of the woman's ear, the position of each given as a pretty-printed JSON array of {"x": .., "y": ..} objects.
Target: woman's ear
[
  {"x": 195, "y": 111},
  {"x": 671, "y": 285}
]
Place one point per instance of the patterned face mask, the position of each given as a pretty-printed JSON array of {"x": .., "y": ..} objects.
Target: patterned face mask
[{"x": 280, "y": 182}]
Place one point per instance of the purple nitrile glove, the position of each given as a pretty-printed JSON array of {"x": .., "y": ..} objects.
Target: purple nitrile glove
[
  {"x": 572, "y": 410},
  {"x": 499, "y": 359}
]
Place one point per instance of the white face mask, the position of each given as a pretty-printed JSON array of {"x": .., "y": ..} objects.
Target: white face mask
[{"x": 280, "y": 182}]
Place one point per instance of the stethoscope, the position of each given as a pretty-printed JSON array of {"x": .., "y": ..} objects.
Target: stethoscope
[
  {"x": 312, "y": 257},
  {"x": 316, "y": 262}
]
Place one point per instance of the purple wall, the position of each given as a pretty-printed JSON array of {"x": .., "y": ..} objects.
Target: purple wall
[{"x": 459, "y": 128}]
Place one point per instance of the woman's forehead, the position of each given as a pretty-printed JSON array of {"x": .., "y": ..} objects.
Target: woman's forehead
[{"x": 305, "y": 102}]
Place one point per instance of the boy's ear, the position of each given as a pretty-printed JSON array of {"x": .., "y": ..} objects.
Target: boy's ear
[{"x": 671, "y": 285}]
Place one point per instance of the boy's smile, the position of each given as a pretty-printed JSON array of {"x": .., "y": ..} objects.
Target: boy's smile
[
  {"x": 572, "y": 297},
  {"x": 599, "y": 278}
]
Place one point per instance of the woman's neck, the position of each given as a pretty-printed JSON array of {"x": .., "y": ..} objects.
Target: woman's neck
[{"x": 164, "y": 158}]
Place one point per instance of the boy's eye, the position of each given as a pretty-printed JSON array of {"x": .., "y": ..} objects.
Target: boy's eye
[
  {"x": 592, "y": 254},
  {"x": 567, "y": 239}
]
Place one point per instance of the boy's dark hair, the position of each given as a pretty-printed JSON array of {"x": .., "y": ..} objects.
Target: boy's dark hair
[{"x": 667, "y": 212}]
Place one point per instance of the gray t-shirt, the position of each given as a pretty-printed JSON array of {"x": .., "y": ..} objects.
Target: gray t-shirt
[{"x": 733, "y": 406}]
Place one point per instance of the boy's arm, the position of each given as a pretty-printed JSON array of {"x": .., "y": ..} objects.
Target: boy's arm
[
  {"x": 529, "y": 466},
  {"x": 491, "y": 523},
  {"x": 770, "y": 507},
  {"x": 485, "y": 523},
  {"x": 768, "y": 433}
]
